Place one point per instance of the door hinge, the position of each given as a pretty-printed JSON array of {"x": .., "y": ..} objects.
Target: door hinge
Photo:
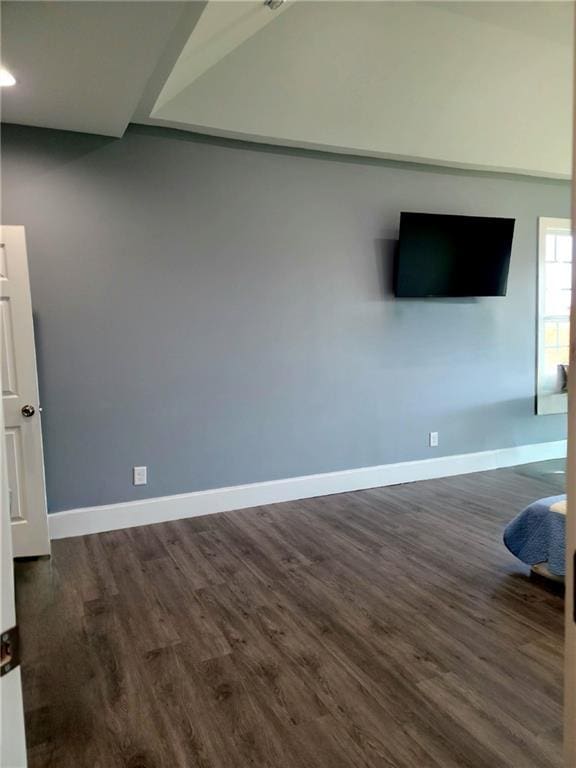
[{"x": 10, "y": 653}]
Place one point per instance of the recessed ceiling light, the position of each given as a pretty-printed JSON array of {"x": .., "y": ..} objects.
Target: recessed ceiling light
[{"x": 6, "y": 79}]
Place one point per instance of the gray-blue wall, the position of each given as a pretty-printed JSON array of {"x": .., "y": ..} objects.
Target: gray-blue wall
[{"x": 223, "y": 313}]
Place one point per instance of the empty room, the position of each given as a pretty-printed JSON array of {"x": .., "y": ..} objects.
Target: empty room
[{"x": 288, "y": 414}]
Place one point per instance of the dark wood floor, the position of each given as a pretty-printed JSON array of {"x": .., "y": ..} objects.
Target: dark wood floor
[{"x": 380, "y": 628}]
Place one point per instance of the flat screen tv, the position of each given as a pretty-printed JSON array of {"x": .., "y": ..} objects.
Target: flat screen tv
[{"x": 450, "y": 256}]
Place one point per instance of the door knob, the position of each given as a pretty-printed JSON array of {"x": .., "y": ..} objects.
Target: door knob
[{"x": 28, "y": 410}]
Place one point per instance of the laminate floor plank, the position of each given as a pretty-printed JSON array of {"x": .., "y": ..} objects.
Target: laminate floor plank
[{"x": 386, "y": 628}]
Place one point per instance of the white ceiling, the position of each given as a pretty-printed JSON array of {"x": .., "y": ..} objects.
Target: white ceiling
[
  {"x": 82, "y": 66},
  {"x": 472, "y": 84},
  {"x": 221, "y": 28}
]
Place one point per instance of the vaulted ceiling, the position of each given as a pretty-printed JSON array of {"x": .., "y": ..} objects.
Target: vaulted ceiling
[{"x": 485, "y": 85}]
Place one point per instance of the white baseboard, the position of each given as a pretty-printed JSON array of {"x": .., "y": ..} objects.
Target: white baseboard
[{"x": 110, "y": 517}]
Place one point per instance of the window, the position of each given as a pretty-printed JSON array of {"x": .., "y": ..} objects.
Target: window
[{"x": 554, "y": 299}]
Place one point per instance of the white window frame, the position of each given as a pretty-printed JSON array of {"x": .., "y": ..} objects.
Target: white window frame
[{"x": 546, "y": 402}]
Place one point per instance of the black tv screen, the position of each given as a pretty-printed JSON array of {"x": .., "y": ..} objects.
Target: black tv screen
[{"x": 440, "y": 255}]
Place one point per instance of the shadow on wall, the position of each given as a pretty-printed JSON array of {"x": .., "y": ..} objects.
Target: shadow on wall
[
  {"x": 386, "y": 252},
  {"x": 39, "y": 346},
  {"x": 38, "y": 152}
]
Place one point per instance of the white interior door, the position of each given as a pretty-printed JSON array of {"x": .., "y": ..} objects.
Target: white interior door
[
  {"x": 12, "y": 739},
  {"x": 22, "y": 425}
]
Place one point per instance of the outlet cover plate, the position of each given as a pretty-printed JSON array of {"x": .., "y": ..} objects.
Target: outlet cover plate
[{"x": 140, "y": 475}]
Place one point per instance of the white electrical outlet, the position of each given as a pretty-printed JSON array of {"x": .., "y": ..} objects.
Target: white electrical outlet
[
  {"x": 140, "y": 475},
  {"x": 433, "y": 439}
]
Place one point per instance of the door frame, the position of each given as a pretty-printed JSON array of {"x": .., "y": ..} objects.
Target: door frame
[
  {"x": 12, "y": 731},
  {"x": 570, "y": 597}
]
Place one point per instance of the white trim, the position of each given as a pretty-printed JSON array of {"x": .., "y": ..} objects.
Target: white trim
[
  {"x": 557, "y": 402},
  {"x": 546, "y": 402},
  {"x": 111, "y": 517}
]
